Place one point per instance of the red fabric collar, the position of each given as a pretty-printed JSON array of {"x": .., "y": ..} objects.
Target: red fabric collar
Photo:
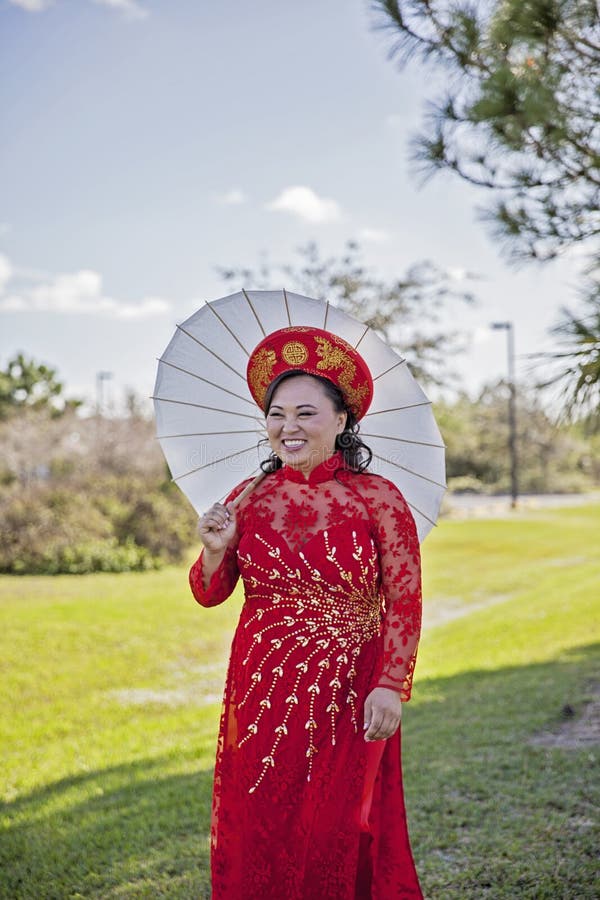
[{"x": 325, "y": 471}]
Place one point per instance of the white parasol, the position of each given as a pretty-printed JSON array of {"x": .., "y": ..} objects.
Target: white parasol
[{"x": 209, "y": 427}]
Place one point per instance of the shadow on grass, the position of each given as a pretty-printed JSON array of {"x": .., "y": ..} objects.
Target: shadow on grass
[
  {"x": 491, "y": 815},
  {"x": 128, "y": 831}
]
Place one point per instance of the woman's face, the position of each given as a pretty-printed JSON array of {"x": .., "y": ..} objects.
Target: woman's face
[{"x": 302, "y": 423}]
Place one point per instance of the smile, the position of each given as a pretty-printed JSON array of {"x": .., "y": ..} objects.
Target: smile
[{"x": 293, "y": 445}]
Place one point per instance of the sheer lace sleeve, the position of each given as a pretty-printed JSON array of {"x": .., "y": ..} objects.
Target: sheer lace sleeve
[
  {"x": 221, "y": 584},
  {"x": 225, "y": 578},
  {"x": 400, "y": 562}
]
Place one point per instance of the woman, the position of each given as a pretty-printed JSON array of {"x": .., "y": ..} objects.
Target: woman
[{"x": 308, "y": 800}]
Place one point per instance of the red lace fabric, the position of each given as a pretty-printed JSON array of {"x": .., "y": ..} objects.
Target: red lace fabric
[{"x": 303, "y": 807}]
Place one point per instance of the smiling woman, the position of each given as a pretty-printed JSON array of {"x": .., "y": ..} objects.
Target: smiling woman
[
  {"x": 303, "y": 422},
  {"x": 308, "y": 798}
]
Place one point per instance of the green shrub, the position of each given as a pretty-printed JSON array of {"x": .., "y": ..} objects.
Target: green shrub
[
  {"x": 467, "y": 484},
  {"x": 105, "y": 525},
  {"x": 161, "y": 523},
  {"x": 85, "y": 557}
]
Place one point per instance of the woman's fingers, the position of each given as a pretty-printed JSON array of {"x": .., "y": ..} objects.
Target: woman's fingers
[
  {"x": 382, "y": 727},
  {"x": 383, "y": 711},
  {"x": 376, "y": 726},
  {"x": 373, "y": 733},
  {"x": 217, "y": 527},
  {"x": 217, "y": 518}
]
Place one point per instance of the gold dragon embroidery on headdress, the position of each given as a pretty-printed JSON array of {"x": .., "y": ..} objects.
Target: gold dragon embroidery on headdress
[
  {"x": 260, "y": 374},
  {"x": 333, "y": 357}
]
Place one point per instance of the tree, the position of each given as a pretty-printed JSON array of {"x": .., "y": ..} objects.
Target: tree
[
  {"x": 27, "y": 384},
  {"x": 520, "y": 115},
  {"x": 79, "y": 494},
  {"x": 553, "y": 457},
  {"x": 577, "y": 361},
  {"x": 404, "y": 311}
]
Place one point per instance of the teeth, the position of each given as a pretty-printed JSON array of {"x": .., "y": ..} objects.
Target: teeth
[{"x": 293, "y": 443}]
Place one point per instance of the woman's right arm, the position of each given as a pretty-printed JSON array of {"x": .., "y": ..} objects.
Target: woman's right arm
[{"x": 215, "y": 573}]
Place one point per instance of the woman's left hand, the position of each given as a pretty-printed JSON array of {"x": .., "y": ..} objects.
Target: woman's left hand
[{"x": 383, "y": 712}]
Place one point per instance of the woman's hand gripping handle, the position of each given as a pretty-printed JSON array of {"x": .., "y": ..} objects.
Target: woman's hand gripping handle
[{"x": 217, "y": 528}]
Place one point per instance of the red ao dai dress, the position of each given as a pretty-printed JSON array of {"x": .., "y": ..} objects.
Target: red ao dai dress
[{"x": 303, "y": 807}]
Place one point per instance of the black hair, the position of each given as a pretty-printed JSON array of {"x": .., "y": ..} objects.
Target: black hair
[{"x": 357, "y": 456}]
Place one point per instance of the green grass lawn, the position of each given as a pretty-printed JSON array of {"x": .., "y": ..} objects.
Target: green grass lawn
[{"x": 111, "y": 687}]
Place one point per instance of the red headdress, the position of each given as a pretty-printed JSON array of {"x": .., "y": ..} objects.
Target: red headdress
[{"x": 314, "y": 352}]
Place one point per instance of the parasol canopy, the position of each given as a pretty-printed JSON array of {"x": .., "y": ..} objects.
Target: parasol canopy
[{"x": 209, "y": 427}]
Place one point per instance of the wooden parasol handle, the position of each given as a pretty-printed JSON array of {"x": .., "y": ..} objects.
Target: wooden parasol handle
[{"x": 248, "y": 489}]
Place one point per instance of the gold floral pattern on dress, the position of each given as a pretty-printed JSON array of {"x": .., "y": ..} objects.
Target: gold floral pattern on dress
[
  {"x": 331, "y": 621},
  {"x": 354, "y": 558}
]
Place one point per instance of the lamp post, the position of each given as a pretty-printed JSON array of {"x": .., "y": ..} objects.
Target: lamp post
[
  {"x": 512, "y": 408},
  {"x": 101, "y": 377}
]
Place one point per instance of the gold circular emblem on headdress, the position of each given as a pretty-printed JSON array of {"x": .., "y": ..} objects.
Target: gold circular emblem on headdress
[{"x": 294, "y": 353}]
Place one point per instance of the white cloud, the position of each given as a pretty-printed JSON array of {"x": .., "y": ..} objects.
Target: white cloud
[
  {"x": 31, "y": 5},
  {"x": 131, "y": 8},
  {"x": 13, "y": 303},
  {"x": 234, "y": 197},
  {"x": 581, "y": 251},
  {"x": 481, "y": 335},
  {"x": 457, "y": 273},
  {"x": 73, "y": 292},
  {"x": 6, "y": 271},
  {"x": 304, "y": 203},
  {"x": 373, "y": 235}
]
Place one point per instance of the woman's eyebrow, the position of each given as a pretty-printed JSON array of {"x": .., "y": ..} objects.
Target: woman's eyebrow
[{"x": 299, "y": 406}]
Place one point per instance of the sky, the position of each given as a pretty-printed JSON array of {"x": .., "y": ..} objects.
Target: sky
[{"x": 145, "y": 143}]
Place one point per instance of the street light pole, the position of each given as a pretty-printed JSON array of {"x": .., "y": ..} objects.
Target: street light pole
[
  {"x": 101, "y": 377},
  {"x": 512, "y": 409}
]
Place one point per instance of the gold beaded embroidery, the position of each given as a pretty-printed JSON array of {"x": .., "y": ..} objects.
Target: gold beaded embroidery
[{"x": 347, "y": 615}]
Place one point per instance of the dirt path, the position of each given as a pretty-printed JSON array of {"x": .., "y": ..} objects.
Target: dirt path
[
  {"x": 440, "y": 612},
  {"x": 477, "y": 506},
  {"x": 578, "y": 730}
]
